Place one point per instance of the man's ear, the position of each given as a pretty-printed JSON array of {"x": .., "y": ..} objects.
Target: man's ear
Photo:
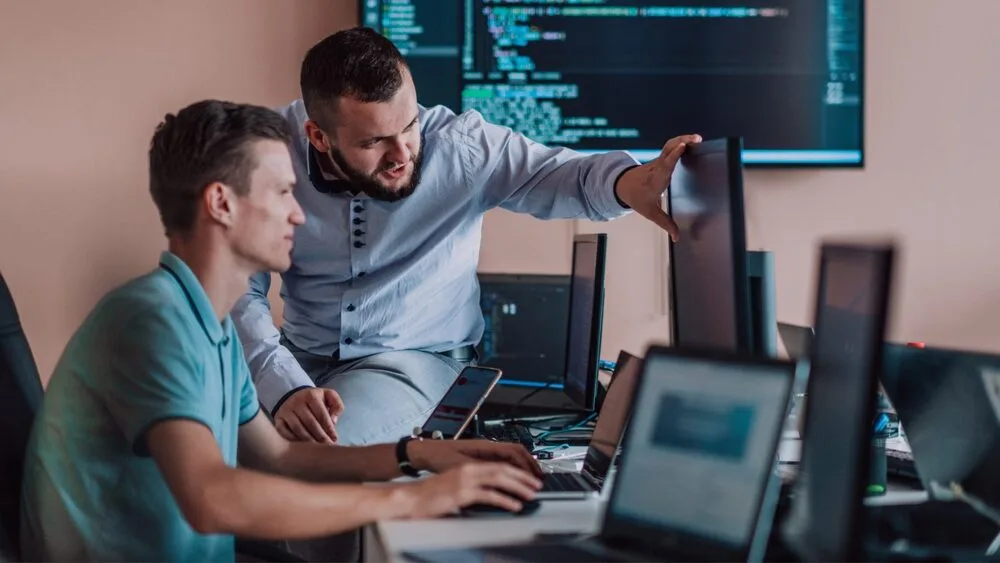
[
  {"x": 218, "y": 203},
  {"x": 319, "y": 140}
]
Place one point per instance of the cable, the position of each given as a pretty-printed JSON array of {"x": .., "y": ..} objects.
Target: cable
[
  {"x": 955, "y": 491},
  {"x": 541, "y": 437},
  {"x": 520, "y": 402}
]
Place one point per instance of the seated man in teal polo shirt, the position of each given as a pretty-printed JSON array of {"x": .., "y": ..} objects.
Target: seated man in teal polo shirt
[{"x": 134, "y": 454}]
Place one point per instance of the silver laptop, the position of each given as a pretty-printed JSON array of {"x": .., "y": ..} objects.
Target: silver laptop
[
  {"x": 605, "y": 440},
  {"x": 697, "y": 479},
  {"x": 797, "y": 340}
]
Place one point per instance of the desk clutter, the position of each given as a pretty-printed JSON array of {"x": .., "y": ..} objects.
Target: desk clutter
[{"x": 717, "y": 448}]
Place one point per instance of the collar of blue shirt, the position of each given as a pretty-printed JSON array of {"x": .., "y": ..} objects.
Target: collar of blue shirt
[{"x": 196, "y": 296}]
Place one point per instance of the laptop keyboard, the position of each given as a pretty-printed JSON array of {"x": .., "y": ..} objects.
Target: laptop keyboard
[{"x": 564, "y": 482}]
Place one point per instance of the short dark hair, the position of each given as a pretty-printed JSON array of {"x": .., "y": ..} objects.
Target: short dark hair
[
  {"x": 206, "y": 142},
  {"x": 359, "y": 63}
]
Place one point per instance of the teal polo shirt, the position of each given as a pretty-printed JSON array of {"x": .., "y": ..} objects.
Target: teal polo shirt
[{"x": 152, "y": 350}]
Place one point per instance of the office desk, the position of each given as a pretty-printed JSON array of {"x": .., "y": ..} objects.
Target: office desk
[{"x": 386, "y": 541}]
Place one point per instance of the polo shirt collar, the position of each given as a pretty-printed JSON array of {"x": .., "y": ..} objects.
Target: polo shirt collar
[{"x": 196, "y": 297}]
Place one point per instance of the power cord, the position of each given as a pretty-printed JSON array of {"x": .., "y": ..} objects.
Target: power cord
[
  {"x": 955, "y": 491},
  {"x": 542, "y": 437}
]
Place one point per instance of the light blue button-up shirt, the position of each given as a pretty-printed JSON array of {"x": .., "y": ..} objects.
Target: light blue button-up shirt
[{"x": 370, "y": 276}]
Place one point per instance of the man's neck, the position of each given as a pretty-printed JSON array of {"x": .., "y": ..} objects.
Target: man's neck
[{"x": 219, "y": 272}]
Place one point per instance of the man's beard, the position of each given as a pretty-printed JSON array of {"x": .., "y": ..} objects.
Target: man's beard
[{"x": 371, "y": 186}]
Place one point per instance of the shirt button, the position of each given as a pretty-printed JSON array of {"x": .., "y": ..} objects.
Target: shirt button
[
  {"x": 358, "y": 209},
  {"x": 358, "y": 244},
  {"x": 361, "y": 274},
  {"x": 348, "y": 341},
  {"x": 358, "y": 232},
  {"x": 358, "y": 220},
  {"x": 350, "y": 308}
]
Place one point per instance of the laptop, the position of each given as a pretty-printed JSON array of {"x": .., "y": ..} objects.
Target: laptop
[
  {"x": 604, "y": 441},
  {"x": 948, "y": 402},
  {"x": 797, "y": 340},
  {"x": 697, "y": 479}
]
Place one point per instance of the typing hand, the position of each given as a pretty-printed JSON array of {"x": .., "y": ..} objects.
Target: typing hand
[
  {"x": 642, "y": 187},
  {"x": 310, "y": 415},
  {"x": 441, "y": 455},
  {"x": 498, "y": 484}
]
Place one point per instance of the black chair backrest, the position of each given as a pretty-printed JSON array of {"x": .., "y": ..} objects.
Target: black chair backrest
[{"x": 20, "y": 399}]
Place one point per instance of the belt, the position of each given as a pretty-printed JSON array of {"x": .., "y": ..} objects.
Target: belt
[{"x": 464, "y": 354}]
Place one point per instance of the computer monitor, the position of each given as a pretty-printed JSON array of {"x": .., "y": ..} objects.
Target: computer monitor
[
  {"x": 586, "y": 315},
  {"x": 763, "y": 309},
  {"x": 698, "y": 466},
  {"x": 525, "y": 328},
  {"x": 852, "y": 302},
  {"x": 947, "y": 401},
  {"x": 786, "y": 74},
  {"x": 709, "y": 289}
]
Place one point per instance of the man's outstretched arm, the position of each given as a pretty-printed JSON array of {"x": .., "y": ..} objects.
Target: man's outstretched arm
[{"x": 217, "y": 498}]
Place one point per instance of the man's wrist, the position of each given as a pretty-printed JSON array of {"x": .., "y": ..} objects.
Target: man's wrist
[
  {"x": 285, "y": 397},
  {"x": 618, "y": 183},
  {"x": 409, "y": 456},
  {"x": 417, "y": 450}
]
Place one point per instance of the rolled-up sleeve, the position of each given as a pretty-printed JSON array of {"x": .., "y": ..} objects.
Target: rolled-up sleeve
[{"x": 523, "y": 176}]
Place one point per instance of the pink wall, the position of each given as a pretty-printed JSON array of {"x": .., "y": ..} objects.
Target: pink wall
[
  {"x": 83, "y": 86},
  {"x": 85, "y": 83}
]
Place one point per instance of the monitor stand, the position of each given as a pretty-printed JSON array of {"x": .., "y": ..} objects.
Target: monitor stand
[{"x": 763, "y": 315}]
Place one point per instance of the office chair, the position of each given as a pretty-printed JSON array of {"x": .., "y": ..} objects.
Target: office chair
[{"x": 20, "y": 399}]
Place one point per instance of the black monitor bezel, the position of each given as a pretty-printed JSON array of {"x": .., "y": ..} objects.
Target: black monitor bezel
[
  {"x": 805, "y": 164},
  {"x": 651, "y": 540},
  {"x": 588, "y": 401},
  {"x": 853, "y": 549},
  {"x": 732, "y": 147}
]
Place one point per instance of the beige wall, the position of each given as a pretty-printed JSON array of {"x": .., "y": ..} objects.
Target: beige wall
[
  {"x": 84, "y": 83},
  {"x": 83, "y": 86}
]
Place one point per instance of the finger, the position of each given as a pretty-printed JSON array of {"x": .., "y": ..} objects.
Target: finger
[
  {"x": 333, "y": 401},
  {"x": 666, "y": 223},
  {"x": 495, "y": 498},
  {"x": 517, "y": 456},
  {"x": 312, "y": 426},
  {"x": 670, "y": 158},
  {"x": 283, "y": 430},
  {"x": 298, "y": 431},
  {"x": 513, "y": 481},
  {"x": 533, "y": 466},
  {"x": 322, "y": 417}
]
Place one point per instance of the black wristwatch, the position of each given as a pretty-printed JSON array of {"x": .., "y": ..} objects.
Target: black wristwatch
[{"x": 403, "y": 458}]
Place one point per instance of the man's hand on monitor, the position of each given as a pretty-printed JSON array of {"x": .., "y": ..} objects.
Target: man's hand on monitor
[
  {"x": 441, "y": 455},
  {"x": 642, "y": 187},
  {"x": 310, "y": 415}
]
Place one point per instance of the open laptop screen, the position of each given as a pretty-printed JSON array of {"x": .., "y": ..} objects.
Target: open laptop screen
[
  {"x": 701, "y": 449},
  {"x": 613, "y": 418}
]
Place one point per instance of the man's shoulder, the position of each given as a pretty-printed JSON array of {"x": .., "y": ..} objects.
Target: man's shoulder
[
  {"x": 152, "y": 303},
  {"x": 443, "y": 121},
  {"x": 294, "y": 112}
]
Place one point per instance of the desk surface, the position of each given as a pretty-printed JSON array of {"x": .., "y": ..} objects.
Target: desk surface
[{"x": 387, "y": 540}]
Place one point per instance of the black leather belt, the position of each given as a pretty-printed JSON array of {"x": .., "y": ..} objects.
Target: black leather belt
[{"x": 465, "y": 354}]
